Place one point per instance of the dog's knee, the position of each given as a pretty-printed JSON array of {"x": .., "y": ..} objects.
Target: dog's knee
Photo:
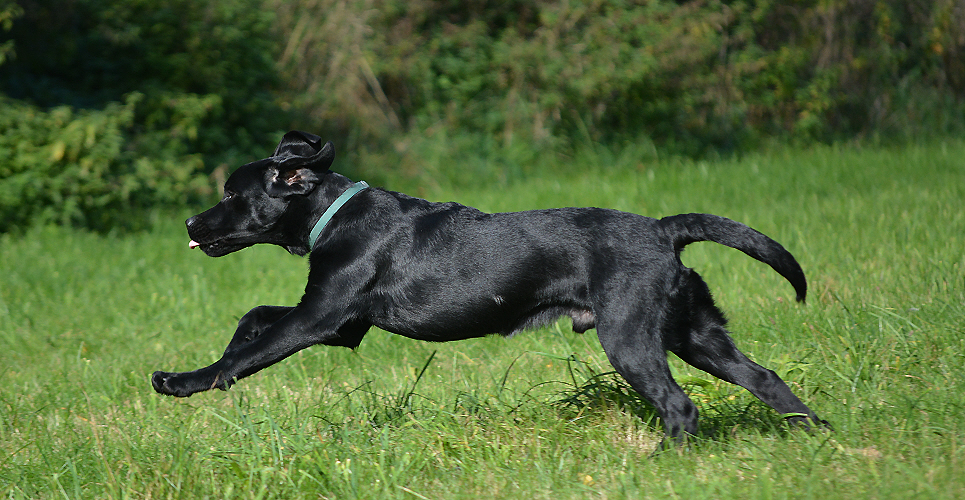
[
  {"x": 254, "y": 323},
  {"x": 260, "y": 317}
]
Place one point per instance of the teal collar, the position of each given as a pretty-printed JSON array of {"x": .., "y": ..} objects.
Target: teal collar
[{"x": 327, "y": 216}]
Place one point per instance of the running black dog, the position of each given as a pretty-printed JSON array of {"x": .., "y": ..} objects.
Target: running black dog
[{"x": 444, "y": 271}]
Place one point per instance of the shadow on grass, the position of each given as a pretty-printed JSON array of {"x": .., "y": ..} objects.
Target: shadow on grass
[{"x": 723, "y": 411}]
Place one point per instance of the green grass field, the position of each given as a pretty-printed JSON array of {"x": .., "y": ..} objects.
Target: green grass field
[{"x": 878, "y": 350}]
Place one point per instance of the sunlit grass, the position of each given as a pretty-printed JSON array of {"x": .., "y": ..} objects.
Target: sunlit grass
[{"x": 878, "y": 350}]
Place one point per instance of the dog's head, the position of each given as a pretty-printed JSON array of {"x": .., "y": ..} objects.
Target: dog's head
[{"x": 265, "y": 201}]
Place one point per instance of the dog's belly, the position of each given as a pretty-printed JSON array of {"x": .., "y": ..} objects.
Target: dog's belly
[{"x": 448, "y": 322}]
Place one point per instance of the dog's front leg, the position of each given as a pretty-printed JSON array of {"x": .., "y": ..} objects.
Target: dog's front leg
[
  {"x": 260, "y": 343},
  {"x": 254, "y": 323}
]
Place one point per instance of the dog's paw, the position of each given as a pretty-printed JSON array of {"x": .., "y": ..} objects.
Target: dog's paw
[
  {"x": 808, "y": 423},
  {"x": 167, "y": 383},
  {"x": 182, "y": 385}
]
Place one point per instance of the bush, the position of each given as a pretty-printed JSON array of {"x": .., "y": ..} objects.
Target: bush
[
  {"x": 80, "y": 167},
  {"x": 697, "y": 77},
  {"x": 122, "y": 106},
  {"x": 88, "y": 53}
]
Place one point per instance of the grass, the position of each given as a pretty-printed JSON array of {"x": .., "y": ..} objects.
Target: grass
[{"x": 878, "y": 350}]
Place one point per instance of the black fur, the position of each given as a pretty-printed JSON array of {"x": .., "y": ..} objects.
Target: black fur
[{"x": 444, "y": 271}]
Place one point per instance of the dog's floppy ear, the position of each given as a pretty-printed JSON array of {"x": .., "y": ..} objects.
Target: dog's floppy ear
[
  {"x": 298, "y": 143},
  {"x": 300, "y": 161},
  {"x": 287, "y": 182},
  {"x": 304, "y": 149}
]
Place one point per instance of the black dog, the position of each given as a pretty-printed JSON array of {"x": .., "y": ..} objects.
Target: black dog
[{"x": 444, "y": 271}]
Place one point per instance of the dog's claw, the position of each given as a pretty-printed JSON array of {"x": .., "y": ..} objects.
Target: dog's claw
[{"x": 157, "y": 381}]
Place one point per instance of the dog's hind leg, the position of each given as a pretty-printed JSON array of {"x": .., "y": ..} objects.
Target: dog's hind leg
[
  {"x": 709, "y": 347},
  {"x": 638, "y": 355},
  {"x": 713, "y": 351}
]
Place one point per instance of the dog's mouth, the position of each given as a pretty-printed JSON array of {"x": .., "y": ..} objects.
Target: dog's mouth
[
  {"x": 211, "y": 244},
  {"x": 216, "y": 248},
  {"x": 207, "y": 247},
  {"x": 218, "y": 243}
]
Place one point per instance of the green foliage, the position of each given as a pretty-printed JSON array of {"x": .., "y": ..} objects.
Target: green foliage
[
  {"x": 122, "y": 106},
  {"x": 8, "y": 12},
  {"x": 695, "y": 77},
  {"x": 96, "y": 52},
  {"x": 78, "y": 167}
]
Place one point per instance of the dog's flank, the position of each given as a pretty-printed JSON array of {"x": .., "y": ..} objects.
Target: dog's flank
[{"x": 445, "y": 271}]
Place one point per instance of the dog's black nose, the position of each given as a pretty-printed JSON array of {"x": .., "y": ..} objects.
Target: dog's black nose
[{"x": 191, "y": 221}]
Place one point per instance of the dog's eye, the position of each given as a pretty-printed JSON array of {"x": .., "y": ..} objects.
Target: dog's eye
[{"x": 227, "y": 196}]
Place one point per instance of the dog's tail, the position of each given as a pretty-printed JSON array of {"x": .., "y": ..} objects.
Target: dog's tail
[{"x": 685, "y": 229}]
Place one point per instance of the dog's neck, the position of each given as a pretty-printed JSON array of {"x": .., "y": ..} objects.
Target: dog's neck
[
  {"x": 331, "y": 210},
  {"x": 318, "y": 202}
]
